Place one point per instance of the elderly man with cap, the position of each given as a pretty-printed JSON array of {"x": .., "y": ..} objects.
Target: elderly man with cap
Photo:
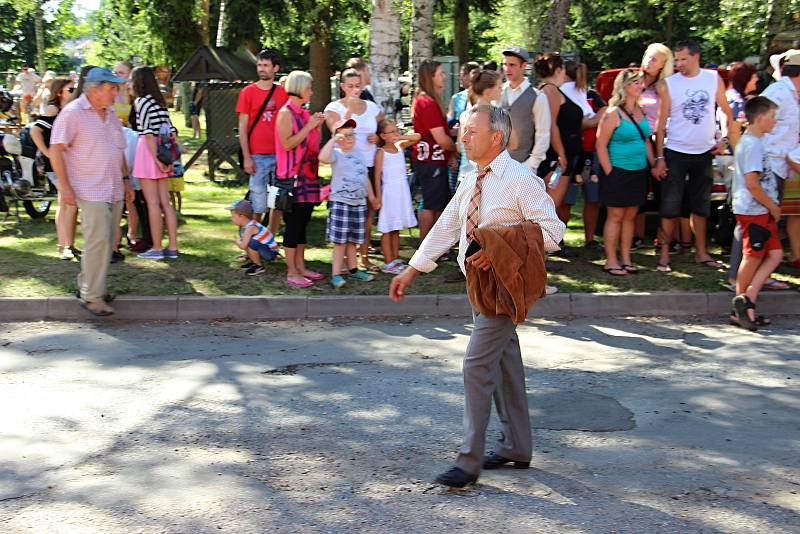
[
  {"x": 528, "y": 108},
  {"x": 87, "y": 153},
  {"x": 783, "y": 139}
]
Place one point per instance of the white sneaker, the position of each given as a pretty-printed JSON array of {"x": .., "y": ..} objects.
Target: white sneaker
[
  {"x": 550, "y": 290},
  {"x": 65, "y": 253}
]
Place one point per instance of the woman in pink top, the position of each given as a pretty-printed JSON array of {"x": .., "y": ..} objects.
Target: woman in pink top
[{"x": 296, "y": 154}]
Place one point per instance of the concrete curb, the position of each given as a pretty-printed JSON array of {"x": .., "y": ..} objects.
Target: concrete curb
[{"x": 240, "y": 308}]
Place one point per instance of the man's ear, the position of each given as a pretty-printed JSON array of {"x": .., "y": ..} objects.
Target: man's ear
[{"x": 497, "y": 138}]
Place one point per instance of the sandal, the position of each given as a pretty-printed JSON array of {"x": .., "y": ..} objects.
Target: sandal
[
  {"x": 98, "y": 309},
  {"x": 742, "y": 303},
  {"x": 711, "y": 264},
  {"x": 630, "y": 269},
  {"x": 616, "y": 271},
  {"x": 371, "y": 267},
  {"x": 300, "y": 284},
  {"x": 663, "y": 267},
  {"x": 760, "y": 320}
]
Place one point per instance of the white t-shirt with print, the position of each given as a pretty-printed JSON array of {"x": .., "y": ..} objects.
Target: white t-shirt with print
[{"x": 751, "y": 156}]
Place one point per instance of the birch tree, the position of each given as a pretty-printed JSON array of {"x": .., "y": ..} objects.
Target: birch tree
[
  {"x": 421, "y": 41},
  {"x": 551, "y": 32},
  {"x": 384, "y": 53}
]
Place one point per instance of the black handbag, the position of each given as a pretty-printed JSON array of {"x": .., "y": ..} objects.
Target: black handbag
[{"x": 284, "y": 200}]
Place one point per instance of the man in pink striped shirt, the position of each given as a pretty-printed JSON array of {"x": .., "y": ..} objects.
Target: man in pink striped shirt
[{"x": 87, "y": 153}]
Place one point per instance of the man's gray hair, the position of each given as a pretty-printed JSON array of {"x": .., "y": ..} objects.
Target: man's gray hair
[
  {"x": 88, "y": 86},
  {"x": 499, "y": 120}
]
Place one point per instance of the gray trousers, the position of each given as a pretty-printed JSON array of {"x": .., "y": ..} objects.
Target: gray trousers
[
  {"x": 99, "y": 221},
  {"x": 493, "y": 368}
]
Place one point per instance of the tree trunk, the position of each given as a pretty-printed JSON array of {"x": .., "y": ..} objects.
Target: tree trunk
[
  {"x": 384, "y": 54},
  {"x": 776, "y": 15},
  {"x": 461, "y": 30},
  {"x": 38, "y": 24},
  {"x": 320, "y": 60},
  {"x": 669, "y": 26},
  {"x": 202, "y": 23},
  {"x": 551, "y": 33},
  {"x": 421, "y": 41}
]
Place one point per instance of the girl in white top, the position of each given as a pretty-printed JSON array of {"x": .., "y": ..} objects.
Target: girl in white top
[
  {"x": 367, "y": 116},
  {"x": 397, "y": 210}
]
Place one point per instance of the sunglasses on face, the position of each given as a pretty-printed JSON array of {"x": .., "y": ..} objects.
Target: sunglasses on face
[{"x": 71, "y": 90}]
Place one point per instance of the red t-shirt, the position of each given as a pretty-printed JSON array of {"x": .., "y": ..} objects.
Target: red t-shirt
[
  {"x": 427, "y": 115},
  {"x": 262, "y": 141}
]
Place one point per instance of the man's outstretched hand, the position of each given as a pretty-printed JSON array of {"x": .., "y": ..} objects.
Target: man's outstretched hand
[{"x": 397, "y": 290}]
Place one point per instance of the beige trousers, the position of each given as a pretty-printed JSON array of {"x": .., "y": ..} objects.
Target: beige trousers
[{"x": 99, "y": 221}]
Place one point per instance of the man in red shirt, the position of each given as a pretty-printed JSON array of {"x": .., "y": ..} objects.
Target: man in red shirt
[{"x": 258, "y": 107}]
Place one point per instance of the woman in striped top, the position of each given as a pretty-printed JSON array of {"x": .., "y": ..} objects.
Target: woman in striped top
[
  {"x": 151, "y": 114},
  {"x": 66, "y": 215}
]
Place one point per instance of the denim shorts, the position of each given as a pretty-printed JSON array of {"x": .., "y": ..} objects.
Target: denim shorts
[
  {"x": 266, "y": 253},
  {"x": 261, "y": 180}
]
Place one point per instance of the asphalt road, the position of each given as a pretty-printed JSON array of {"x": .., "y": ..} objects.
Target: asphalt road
[{"x": 640, "y": 425}]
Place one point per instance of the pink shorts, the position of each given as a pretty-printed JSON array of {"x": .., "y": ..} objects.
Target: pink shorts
[{"x": 144, "y": 164}]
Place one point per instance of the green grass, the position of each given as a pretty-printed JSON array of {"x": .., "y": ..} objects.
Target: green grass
[{"x": 29, "y": 265}]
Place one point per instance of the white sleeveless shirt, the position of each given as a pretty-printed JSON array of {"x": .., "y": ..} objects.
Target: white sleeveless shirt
[{"x": 691, "y": 117}]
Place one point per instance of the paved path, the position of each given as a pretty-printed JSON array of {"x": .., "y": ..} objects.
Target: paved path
[{"x": 641, "y": 425}]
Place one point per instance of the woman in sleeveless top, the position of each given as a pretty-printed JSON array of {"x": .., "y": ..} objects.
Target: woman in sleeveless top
[
  {"x": 296, "y": 155},
  {"x": 566, "y": 144},
  {"x": 486, "y": 86},
  {"x": 624, "y": 151},
  {"x": 66, "y": 215},
  {"x": 367, "y": 115}
]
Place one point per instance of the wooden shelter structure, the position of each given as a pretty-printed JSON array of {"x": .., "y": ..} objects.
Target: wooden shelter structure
[{"x": 223, "y": 74}]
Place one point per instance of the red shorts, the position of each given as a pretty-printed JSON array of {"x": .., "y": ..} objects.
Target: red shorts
[{"x": 754, "y": 244}]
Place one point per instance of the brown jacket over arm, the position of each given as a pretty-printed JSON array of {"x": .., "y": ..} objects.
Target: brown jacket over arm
[{"x": 517, "y": 276}]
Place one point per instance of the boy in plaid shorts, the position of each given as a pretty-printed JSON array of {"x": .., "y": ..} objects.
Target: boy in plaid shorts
[{"x": 350, "y": 190}]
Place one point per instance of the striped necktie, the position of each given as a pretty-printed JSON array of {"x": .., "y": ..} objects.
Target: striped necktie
[{"x": 474, "y": 204}]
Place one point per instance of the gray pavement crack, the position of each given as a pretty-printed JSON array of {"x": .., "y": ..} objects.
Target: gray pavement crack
[{"x": 293, "y": 369}]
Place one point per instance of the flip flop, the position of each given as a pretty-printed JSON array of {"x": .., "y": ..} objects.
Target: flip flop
[
  {"x": 616, "y": 271},
  {"x": 711, "y": 264},
  {"x": 630, "y": 269},
  {"x": 301, "y": 284},
  {"x": 663, "y": 267},
  {"x": 313, "y": 276},
  {"x": 776, "y": 285}
]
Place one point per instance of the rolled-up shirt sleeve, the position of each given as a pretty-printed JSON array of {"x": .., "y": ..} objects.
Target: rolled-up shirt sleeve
[
  {"x": 444, "y": 234},
  {"x": 537, "y": 206},
  {"x": 541, "y": 121}
]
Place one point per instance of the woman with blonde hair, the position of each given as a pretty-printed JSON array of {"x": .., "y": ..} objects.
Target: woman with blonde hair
[
  {"x": 657, "y": 63},
  {"x": 431, "y": 155},
  {"x": 624, "y": 151},
  {"x": 297, "y": 135}
]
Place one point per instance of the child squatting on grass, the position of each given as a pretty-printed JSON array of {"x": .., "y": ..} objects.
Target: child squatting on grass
[
  {"x": 397, "y": 209},
  {"x": 350, "y": 189},
  {"x": 755, "y": 204},
  {"x": 254, "y": 239}
]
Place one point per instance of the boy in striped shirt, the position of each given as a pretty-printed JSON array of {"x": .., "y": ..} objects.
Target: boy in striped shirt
[{"x": 254, "y": 238}]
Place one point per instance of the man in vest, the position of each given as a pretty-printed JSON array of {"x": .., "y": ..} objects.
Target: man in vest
[
  {"x": 528, "y": 108},
  {"x": 684, "y": 162}
]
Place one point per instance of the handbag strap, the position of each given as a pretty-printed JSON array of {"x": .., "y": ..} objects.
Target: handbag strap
[
  {"x": 252, "y": 126},
  {"x": 638, "y": 128}
]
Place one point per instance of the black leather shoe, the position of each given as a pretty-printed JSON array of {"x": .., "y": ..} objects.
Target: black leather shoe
[
  {"x": 495, "y": 461},
  {"x": 456, "y": 478}
]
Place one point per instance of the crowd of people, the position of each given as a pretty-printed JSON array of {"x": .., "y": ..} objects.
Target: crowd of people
[{"x": 654, "y": 139}]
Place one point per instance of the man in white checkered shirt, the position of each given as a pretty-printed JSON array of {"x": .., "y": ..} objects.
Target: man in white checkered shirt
[{"x": 509, "y": 194}]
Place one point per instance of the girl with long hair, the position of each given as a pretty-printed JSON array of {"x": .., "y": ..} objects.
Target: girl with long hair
[
  {"x": 151, "y": 114},
  {"x": 431, "y": 155}
]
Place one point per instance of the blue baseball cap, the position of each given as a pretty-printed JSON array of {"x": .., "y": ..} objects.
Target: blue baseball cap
[{"x": 99, "y": 74}]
